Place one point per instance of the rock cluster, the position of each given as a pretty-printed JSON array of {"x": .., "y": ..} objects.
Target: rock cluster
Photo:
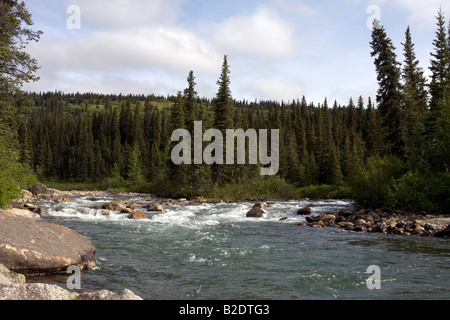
[
  {"x": 383, "y": 221},
  {"x": 13, "y": 286}
]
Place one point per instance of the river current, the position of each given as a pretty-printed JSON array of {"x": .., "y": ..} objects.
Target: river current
[{"x": 213, "y": 252}]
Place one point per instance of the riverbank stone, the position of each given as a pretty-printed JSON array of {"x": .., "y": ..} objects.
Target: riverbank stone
[{"x": 32, "y": 247}]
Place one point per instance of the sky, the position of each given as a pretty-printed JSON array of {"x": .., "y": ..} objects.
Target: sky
[{"x": 277, "y": 49}]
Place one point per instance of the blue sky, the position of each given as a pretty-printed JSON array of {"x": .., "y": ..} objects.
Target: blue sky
[{"x": 277, "y": 49}]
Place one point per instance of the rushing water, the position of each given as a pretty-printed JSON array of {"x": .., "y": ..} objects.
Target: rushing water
[{"x": 212, "y": 251}]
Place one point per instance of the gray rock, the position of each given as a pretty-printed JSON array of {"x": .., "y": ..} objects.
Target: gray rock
[
  {"x": 13, "y": 286},
  {"x": 39, "y": 190},
  {"x": 32, "y": 247}
]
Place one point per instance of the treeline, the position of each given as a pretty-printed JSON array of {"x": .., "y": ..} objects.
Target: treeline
[
  {"x": 319, "y": 144},
  {"x": 392, "y": 152}
]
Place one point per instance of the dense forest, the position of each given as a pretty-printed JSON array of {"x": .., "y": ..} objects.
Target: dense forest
[{"x": 392, "y": 152}]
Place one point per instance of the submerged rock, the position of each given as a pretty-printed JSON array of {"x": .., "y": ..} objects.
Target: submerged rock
[{"x": 138, "y": 215}]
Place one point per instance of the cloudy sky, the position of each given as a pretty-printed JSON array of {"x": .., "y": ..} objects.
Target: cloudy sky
[{"x": 277, "y": 49}]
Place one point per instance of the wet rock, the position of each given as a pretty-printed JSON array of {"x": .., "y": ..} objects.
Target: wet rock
[
  {"x": 138, "y": 215},
  {"x": 115, "y": 205},
  {"x": 304, "y": 211},
  {"x": 346, "y": 213},
  {"x": 126, "y": 210},
  {"x": 261, "y": 205},
  {"x": 445, "y": 233},
  {"x": 62, "y": 199},
  {"x": 359, "y": 228},
  {"x": 255, "y": 212},
  {"x": 158, "y": 208},
  {"x": 430, "y": 227}
]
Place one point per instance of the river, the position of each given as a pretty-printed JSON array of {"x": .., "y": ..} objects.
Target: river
[{"x": 213, "y": 252}]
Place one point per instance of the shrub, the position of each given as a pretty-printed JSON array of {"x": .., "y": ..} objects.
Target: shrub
[
  {"x": 371, "y": 185},
  {"x": 14, "y": 176}
]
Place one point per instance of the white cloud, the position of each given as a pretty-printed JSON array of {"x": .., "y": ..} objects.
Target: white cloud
[
  {"x": 263, "y": 34},
  {"x": 120, "y": 14},
  {"x": 271, "y": 88},
  {"x": 421, "y": 13}
]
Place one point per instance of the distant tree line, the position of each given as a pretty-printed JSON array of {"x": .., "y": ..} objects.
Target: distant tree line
[{"x": 390, "y": 152}]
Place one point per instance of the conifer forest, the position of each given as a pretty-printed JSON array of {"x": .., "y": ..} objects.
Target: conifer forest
[{"x": 390, "y": 151}]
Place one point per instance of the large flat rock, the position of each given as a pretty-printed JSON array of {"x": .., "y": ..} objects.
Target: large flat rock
[{"x": 33, "y": 247}]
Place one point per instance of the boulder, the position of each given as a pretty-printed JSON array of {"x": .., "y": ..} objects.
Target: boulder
[
  {"x": 126, "y": 210},
  {"x": 304, "y": 211},
  {"x": 444, "y": 233},
  {"x": 13, "y": 286},
  {"x": 158, "y": 207},
  {"x": 137, "y": 215},
  {"x": 24, "y": 213},
  {"x": 31, "y": 247},
  {"x": 115, "y": 205},
  {"x": 346, "y": 213},
  {"x": 261, "y": 205},
  {"x": 62, "y": 199},
  {"x": 39, "y": 190},
  {"x": 255, "y": 212},
  {"x": 359, "y": 222}
]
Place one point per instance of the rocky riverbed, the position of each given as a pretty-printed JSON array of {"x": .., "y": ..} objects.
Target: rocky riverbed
[
  {"x": 30, "y": 245},
  {"x": 382, "y": 221}
]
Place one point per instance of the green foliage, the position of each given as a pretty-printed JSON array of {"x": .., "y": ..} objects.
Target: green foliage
[
  {"x": 325, "y": 192},
  {"x": 14, "y": 176},
  {"x": 371, "y": 185},
  {"x": 259, "y": 188}
]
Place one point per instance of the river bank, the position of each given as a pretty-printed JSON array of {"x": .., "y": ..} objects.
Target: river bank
[{"x": 384, "y": 221}]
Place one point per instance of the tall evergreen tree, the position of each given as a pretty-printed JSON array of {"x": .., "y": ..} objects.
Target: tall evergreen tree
[
  {"x": 190, "y": 98},
  {"x": 415, "y": 96},
  {"x": 440, "y": 66},
  {"x": 389, "y": 97},
  {"x": 223, "y": 118}
]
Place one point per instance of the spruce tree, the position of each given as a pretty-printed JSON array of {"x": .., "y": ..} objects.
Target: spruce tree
[
  {"x": 440, "y": 67},
  {"x": 190, "y": 99},
  {"x": 389, "y": 97},
  {"x": 415, "y": 97},
  {"x": 223, "y": 118}
]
